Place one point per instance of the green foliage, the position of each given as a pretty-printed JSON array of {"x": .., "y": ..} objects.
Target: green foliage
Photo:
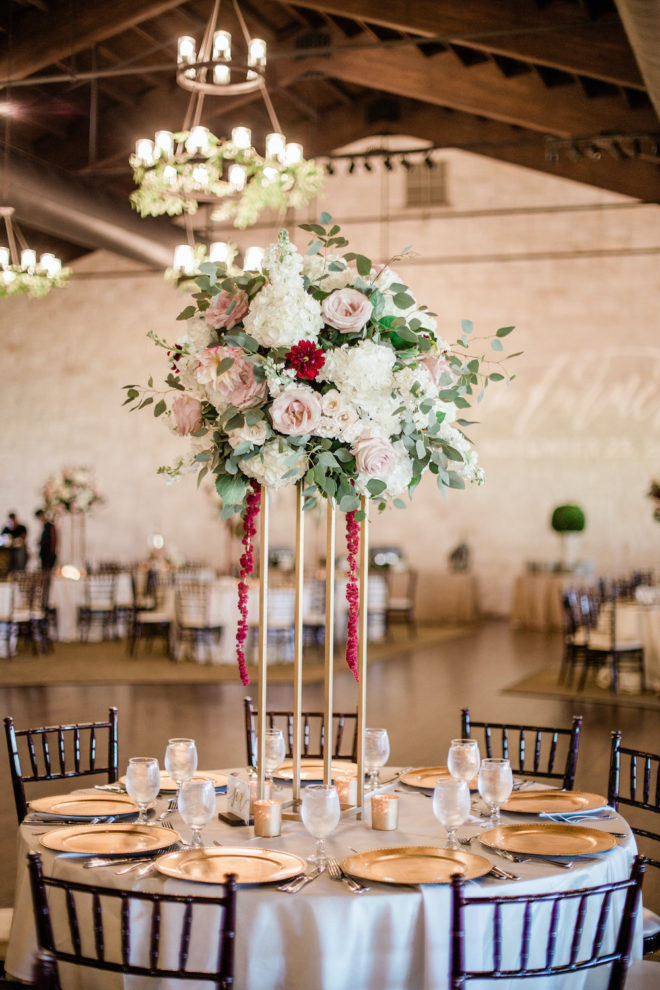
[{"x": 568, "y": 519}]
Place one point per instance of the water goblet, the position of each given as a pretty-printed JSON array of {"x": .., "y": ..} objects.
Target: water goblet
[
  {"x": 376, "y": 753},
  {"x": 495, "y": 786},
  {"x": 451, "y": 806},
  {"x": 180, "y": 761},
  {"x": 275, "y": 752},
  {"x": 463, "y": 759},
  {"x": 197, "y": 806},
  {"x": 142, "y": 783},
  {"x": 320, "y": 816}
]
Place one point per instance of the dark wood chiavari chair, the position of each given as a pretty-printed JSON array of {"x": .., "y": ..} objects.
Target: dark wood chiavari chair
[
  {"x": 538, "y": 749},
  {"x": 60, "y": 752},
  {"x": 110, "y": 906},
  {"x": 540, "y": 917},
  {"x": 606, "y": 647},
  {"x": 313, "y": 732}
]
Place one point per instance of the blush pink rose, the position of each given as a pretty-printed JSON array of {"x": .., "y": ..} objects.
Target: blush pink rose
[
  {"x": 374, "y": 455},
  {"x": 347, "y": 310},
  {"x": 187, "y": 414},
  {"x": 217, "y": 316},
  {"x": 237, "y": 385},
  {"x": 436, "y": 366},
  {"x": 296, "y": 411}
]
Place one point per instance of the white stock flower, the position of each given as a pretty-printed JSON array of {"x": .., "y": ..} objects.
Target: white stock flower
[
  {"x": 255, "y": 434},
  {"x": 198, "y": 333},
  {"x": 269, "y": 466}
]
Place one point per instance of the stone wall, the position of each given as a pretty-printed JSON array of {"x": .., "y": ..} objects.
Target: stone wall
[{"x": 574, "y": 268}]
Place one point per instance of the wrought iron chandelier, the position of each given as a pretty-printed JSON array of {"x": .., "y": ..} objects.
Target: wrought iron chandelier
[
  {"x": 20, "y": 271},
  {"x": 176, "y": 171}
]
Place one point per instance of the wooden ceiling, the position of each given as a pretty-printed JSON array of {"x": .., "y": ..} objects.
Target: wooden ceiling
[{"x": 82, "y": 80}]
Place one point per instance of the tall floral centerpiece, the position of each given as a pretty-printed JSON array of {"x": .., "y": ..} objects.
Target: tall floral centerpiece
[
  {"x": 72, "y": 493},
  {"x": 322, "y": 369}
]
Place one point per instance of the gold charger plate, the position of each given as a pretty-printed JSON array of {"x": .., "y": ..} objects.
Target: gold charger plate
[
  {"x": 311, "y": 771},
  {"x": 425, "y": 777},
  {"x": 415, "y": 864},
  {"x": 110, "y": 840},
  {"x": 249, "y": 865},
  {"x": 547, "y": 802},
  {"x": 83, "y": 806},
  {"x": 168, "y": 786},
  {"x": 548, "y": 839}
]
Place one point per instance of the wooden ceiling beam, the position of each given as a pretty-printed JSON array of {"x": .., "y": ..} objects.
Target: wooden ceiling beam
[
  {"x": 59, "y": 38},
  {"x": 562, "y": 37},
  {"x": 482, "y": 90}
]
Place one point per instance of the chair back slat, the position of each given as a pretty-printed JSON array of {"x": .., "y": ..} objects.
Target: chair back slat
[
  {"x": 32, "y": 752},
  {"x": 578, "y": 930},
  {"x": 45, "y": 746},
  {"x": 97, "y": 917},
  {"x": 125, "y": 930},
  {"x": 497, "y": 939},
  {"x": 154, "y": 937},
  {"x": 554, "y": 739},
  {"x": 601, "y": 926},
  {"x": 489, "y": 743},
  {"x": 60, "y": 750},
  {"x": 92, "y": 748},
  {"x": 553, "y": 933},
  {"x": 647, "y": 780},
  {"x": 74, "y": 927},
  {"x": 526, "y": 936},
  {"x": 186, "y": 929},
  {"x": 76, "y": 749},
  {"x": 313, "y": 732}
]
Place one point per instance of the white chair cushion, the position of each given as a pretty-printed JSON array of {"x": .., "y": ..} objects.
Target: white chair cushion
[
  {"x": 400, "y": 604},
  {"x": 651, "y": 922},
  {"x": 6, "y": 915},
  {"x": 153, "y": 617},
  {"x": 643, "y": 975},
  {"x": 598, "y": 641}
]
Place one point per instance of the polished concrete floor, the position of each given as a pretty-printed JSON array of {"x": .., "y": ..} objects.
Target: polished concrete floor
[{"x": 416, "y": 694}]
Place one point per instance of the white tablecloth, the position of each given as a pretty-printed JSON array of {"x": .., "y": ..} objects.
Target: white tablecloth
[
  {"x": 325, "y": 938},
  {"x": 67, "y": 595}
]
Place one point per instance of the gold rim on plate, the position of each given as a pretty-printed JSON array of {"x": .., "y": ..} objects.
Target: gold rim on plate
[
  {"x": 311, "y": 770},
  {"x": 168, "y": 786},
  {"x": 548, "y": 839},
  {"x": 550, "y": 801},
  {"x": 415, "y": 864},
  {"x": 110, "y": 840},
  {"x": 425, "y": 777},
  {"x": 249, "y": 865},
  {"x": 79, "y": 805}
]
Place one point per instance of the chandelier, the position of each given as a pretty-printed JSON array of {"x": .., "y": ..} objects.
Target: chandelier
[
  {"x": 176, "y": 171},
  {"x": 20, "y": 271}
]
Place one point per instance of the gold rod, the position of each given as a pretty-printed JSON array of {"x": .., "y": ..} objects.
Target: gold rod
[
  {"x": 362, "y": 649},
  {"x": 329, "y": 638},
  {"x": 298, "y": 643},
  {"x": 263, "y": 644}
]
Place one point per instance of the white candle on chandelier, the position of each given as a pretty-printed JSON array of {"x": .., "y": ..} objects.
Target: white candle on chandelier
[
  {"x": 293, "y": 153},
  {"x": 221, "y": 75},
  {"x": 270, "y": 174},
  {"x": 256, "y": 56},
  {"x": 170, "y": 175},
  {"x": 186, "y": 50},
  {"x": 221, "y": 46},
  {"x": 219, "y": 252},
  {"x": 184, "y": 259},
  {"x": 28, "y": 260},
  {"x": 200, "y": 177},
  {"x": 275, "y": 144},
  {"x": 4, "y": 257},
  {"x": 8, "y": 276},
  {"x": 237, "y": 177},
  {"x": 164, "y": 144},
  {"x": 50, "y": 264},
  {"x": 144, "y": 151},
  {"x": 241, "y": 138},
  {"x": 254, "y": 257},
  {"x": 198, "y": 141}
]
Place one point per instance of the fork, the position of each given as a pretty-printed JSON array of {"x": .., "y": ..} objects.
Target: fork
[
  {"x": 335, "y": 872},
  {"x": 514, "y": 858}
]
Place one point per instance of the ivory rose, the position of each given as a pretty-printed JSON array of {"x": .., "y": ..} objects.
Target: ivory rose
[
  {"x": 374, "y": 454},
  {"x": 217, "y": 316},
  {"x": 296, "y": 411},
  {"x": 236, "y": 386},
  {"x": 187, "y": 413},
  {"x": 347, "y": 310}
]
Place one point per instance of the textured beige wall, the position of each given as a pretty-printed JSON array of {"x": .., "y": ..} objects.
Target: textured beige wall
[{"x": 581, "y": 422}]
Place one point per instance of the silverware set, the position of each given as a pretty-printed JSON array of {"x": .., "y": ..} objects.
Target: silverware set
[
  {"x": 515, "y": 858},
  {"x": 335, "y": 872},
  {"x": 293, "y": 886}
]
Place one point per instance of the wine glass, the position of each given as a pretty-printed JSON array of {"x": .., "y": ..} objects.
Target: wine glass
[
  {"x": 275, "y": 752},
  {"x": 463, "y": 759},
  {"x": 495, "y": 786},
  {"x": 451, "y": 806},
  {"x": 142, "y": 783},
  {"x": 376, "y": 753},
  {"x": 197, "y": 806},
  {"x": 320, "y": 815},
  {"x": 180, "y": 761}
]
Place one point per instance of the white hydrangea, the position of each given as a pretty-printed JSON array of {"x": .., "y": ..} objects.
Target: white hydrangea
[
  {"x": 470, "y": 468},
  {"x": 426, "y": 320},
  {"x": 198, "y": 333},
  {"x": 315, "y": 266},
  {"x": 362, "y": 372},
  {"x": 269, "y": 466}
]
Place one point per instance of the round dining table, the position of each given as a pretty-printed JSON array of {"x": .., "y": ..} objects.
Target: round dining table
[{"x": 325, "y": 937}]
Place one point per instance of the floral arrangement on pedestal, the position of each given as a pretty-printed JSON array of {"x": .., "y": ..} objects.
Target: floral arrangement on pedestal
[
  {"x": 654, "y": 493},
  {"x": 70, "y": 490},
  {"x": 321, "y": 367}
]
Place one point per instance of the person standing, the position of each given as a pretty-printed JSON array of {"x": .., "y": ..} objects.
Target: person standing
[
  {"x": 47, "y": 541},
  {"x": 16, "y": 534}
]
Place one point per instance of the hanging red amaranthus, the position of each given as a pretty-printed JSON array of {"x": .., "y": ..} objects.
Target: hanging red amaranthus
[
  {"x": 352, "y": 592},
  {"x": 252, "y": 504}
]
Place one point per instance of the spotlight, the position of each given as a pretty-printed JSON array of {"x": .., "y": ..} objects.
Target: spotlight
[
  {"x": 330, "y": 169},
  {"x": 406, "y": 164},
  {"x": 368, "y": 167},
  {"x": 387, "y": 162},
  {"x": 428, "y": 161},
  {"x": 351, "y": 168}
]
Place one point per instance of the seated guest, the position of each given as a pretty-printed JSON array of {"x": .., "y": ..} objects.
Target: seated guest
[{"x": 16, "y": 539}]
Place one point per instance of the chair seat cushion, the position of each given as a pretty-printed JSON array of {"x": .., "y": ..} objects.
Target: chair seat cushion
[
  {"x": 643, "y": 975},
  {"x": 400, "y": 604},
  {"x": 599, "y": 641},
  {"x": 22, "y": 615},
  {"x": 578, "y": 638},
  {"x": 651, "y": 922},
  {"x": 153, "y": 618}
]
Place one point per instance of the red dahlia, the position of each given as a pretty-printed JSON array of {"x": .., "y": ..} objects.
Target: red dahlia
[{"x": 306, "y": 359}]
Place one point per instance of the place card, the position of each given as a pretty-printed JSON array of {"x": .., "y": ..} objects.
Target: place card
[{"x": 238, "y": 801}]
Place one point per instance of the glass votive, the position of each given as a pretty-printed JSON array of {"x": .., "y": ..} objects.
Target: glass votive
[
  {"x": 347, "y": 790},
  {"x": 267, "y": 817},
  {"x": 384, "y": 812},
  {"x": 268, "y": 791}
]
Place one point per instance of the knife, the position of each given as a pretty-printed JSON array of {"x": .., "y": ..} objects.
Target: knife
[{"x": 297, "y": 884}]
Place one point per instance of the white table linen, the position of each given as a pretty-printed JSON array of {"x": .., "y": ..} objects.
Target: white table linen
[
  {"x": 67, "y": 595},
  {"x": 324, "y": 937}
]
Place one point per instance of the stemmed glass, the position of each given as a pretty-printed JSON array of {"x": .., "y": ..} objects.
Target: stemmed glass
[
  {"x": 495, "y": 786},
  {"x": 197, "y": 806},
  {"x": 180, "y": 761},
  {"x": 451, "y": 806},
  {"x": 275, "y": 752},
  {"x": 376, "y": 753},
  {"x": 320, "y": 816},
  {"x": 142, "y": 783},
  {"x": 463, "y": 759}
]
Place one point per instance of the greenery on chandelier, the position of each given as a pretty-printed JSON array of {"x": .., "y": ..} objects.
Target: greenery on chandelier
[{"x": 15, "y": 281}]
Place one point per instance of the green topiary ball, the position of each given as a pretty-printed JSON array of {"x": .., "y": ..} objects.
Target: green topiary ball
[{"x": 568, "y": 519}]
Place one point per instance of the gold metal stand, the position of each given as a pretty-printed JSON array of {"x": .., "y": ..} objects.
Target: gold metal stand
[{"x": 263, "y": 642}]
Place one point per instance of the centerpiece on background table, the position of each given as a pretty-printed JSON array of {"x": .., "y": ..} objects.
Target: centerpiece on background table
[
  {"x": 71, "y": 493},
  {"x": 323, "y": 371}
]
